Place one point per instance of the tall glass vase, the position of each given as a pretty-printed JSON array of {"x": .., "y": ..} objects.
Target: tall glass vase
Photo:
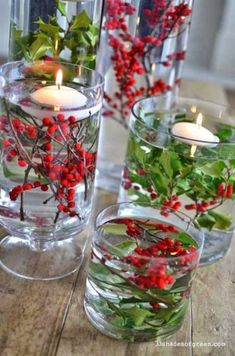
[
  {"x": 68, "y": 30},
  {"x": 144, "y": 45}
]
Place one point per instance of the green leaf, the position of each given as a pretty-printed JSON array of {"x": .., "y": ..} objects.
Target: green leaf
[
  {"x": 137, "y": 314},
  {"x": 206, "y": 220},
  {"x": 49, "y": 29},
  {"x": 123, "y": 248},
  {"x": 186, "y": 240},
  {"x": 222, "y": 221},
  {"x": 82, "y": 20},
  {"x": 114, "y": 229},
  {"x": 38, "y": 48},
  {"x": 178, "y": 314},
  {"x": 100, "y": 272},
  {"x": 214, "y": 169},
  {"x": 61, "y": 6},
  {"x": 170, "y": 163}
]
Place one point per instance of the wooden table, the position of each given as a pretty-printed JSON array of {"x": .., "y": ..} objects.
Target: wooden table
[{"x": 47, "y": 318}]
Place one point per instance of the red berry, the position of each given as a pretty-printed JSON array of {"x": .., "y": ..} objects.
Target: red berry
[
  {"x": 47, "y": 146},
  {"x": 52, "y": 175},
  {"x": 141, "y": 172},
  {"x": 6, "y": 143},
  {"x": 229, "y": 191},
  {"x": 71, "y": 204},
  {"x": 13, "y": 152},
  {"x": 22, "y": 163},
  {"x": 153, "y": 195},
  {"x": 60, "y": 117},
  {"x": 44, "y": 187},
  {"x": 72, "y": 119},
  {"x": 36, "y": 184},
  {"x": 60, "y": 207},
  {"x": 46, "y": 121},
  {"x": 177, "y": 205},
  {"x": 27, "y": 186}
]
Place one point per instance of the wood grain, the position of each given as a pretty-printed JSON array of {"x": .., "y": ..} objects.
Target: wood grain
[{"x": 213, "y": 311}]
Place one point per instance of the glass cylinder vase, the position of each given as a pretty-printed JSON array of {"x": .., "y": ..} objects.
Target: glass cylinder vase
[
  {"x": 181, "y": 155},
  {"x": 49, "y": 136},
  {"x": 141, "y": 270},
  {"x": 68, "y": 30},
  {"x": 143, "y": 45}
]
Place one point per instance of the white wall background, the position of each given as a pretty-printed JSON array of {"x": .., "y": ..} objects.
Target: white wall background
[
  {"x": 4, "y": 27},
  {"x": 211, "y": 49}
]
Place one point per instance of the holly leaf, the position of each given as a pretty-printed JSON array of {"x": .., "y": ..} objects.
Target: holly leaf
[
  {"x": 39, "y": 48},
  {"x": 123, "y": 248},
  {"x": 222, "y": 221},
  {"x": 102, "y": 274},
  {"x": 206, "y": 220},
  {"x": 61, "y": 6},
  {"x": 114, "y": 229},
  {"x": 186, "y": 240},
  {"x": 214, "y": 169},
  {"x": 137, "y": 314},
  {"x": 82, "y": 20},
  {"x": 48, "y": 28}
]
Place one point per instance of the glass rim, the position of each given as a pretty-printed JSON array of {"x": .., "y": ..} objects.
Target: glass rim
[
  {"x": 170, "y": 134},
  {"x": 200, "y": 241},
  {"x": 100, "y": 78}
]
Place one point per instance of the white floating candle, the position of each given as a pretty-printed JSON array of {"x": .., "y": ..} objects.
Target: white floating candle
[
  {"x": 59, "y": 96},
  {"x": 194, "y": 133}
]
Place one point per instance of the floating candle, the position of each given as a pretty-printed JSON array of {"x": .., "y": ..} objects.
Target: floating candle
[
  {"x": 194, "y": 133},
  {"x": 59, "y": 96}
]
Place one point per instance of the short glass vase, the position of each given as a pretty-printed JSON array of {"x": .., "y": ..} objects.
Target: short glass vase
[
  {"x": 181, "y": 154},
  {"x": 48, "y": 136},
  {"x": 141, "y": 270}
]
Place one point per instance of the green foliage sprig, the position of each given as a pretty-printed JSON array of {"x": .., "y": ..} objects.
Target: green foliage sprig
[{"x": 79, "y": 39}]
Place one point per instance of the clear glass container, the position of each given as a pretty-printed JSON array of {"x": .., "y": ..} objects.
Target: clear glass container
[
  {"x": 181, "y": 154},
  {"x": 48, "y": 159},
  {"x": 143, "y": 46},
  {"x": 68, "y": 30},
  {"x": 141, "y": 270}
]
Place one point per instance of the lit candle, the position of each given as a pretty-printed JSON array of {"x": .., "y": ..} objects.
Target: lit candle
[
  {"x": 194, "y": 133},
  {"x": 59, "y": 99},
  {"x": 59, "y": 96}
]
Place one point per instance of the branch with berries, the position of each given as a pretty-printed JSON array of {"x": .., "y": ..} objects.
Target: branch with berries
[
  {"x": 49, "y": 151},
  {"x": 135, "y": 56},
  {"x": 154, "y": 274}
]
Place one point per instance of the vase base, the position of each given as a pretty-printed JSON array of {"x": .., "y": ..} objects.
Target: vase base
[
  {"x": 108, "y": 176},
  {"x": 53, "y": 260},
  {"x": 126, "y": 334}
]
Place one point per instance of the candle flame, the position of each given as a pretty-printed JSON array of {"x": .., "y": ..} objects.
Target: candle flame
[
  {"x": 194, "y": 109},
  {"x": 137, "y": 20},
  {"x": 199, "y": 119},
  {"x": 59, "y": 78},
  {"x": 56, "y": 46},
  {"x": 153, "y": 67}
]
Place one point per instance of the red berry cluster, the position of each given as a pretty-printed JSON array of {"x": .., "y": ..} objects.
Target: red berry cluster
[
  {"x": 33, "y": 145},
  {"x": 172, "y": 203},
  {"x": 156, "y": 275},
  {"x": 132, "y": 229},
  {"x": 224, "y": 190}
]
